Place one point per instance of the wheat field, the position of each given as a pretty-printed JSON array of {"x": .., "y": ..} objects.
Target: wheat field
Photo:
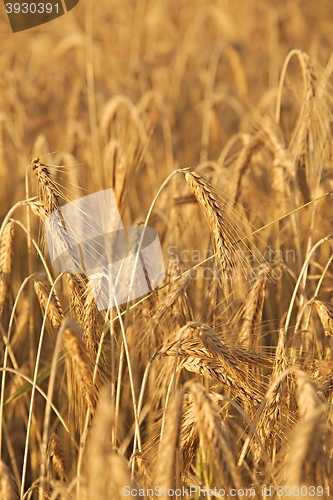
[{"x": 210, "y": 121}]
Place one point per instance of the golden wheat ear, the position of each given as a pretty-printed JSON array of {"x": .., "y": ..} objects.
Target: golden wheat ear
[
  {"x": 232, "y": 267},
  {"x": 80, "y": 371},
  {"x": 213, "y": 208},
  {"x": 201, "y": 351},
  {"x": 84, "y": 306},
  {"x": 54, "y": 312},
  {"x": 47, "y": 188},
  {"x": 6, "y": 262},
  {"x": 59, "y": 458}
]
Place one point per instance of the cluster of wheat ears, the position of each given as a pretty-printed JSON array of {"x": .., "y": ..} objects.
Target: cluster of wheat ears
[{"x": 220, "y": 380}]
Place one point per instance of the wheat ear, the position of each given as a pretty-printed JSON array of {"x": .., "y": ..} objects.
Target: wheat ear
[
  {"x": 213, "y": 208},
  {"x": 80, "y": 370},
  {"x": 55, "y": 313},
  {"x": 59, "y": 457},
  {"x": 6, "y": 262}
]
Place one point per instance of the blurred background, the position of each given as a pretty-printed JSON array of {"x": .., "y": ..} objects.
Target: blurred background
[{"x": 56, "y": 79}]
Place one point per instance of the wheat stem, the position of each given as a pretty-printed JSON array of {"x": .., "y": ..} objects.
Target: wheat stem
[
  {"x": 39, "y": 351},
  {"x": 5, "y": 357},
  {"x": 47, "y": 413}
]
